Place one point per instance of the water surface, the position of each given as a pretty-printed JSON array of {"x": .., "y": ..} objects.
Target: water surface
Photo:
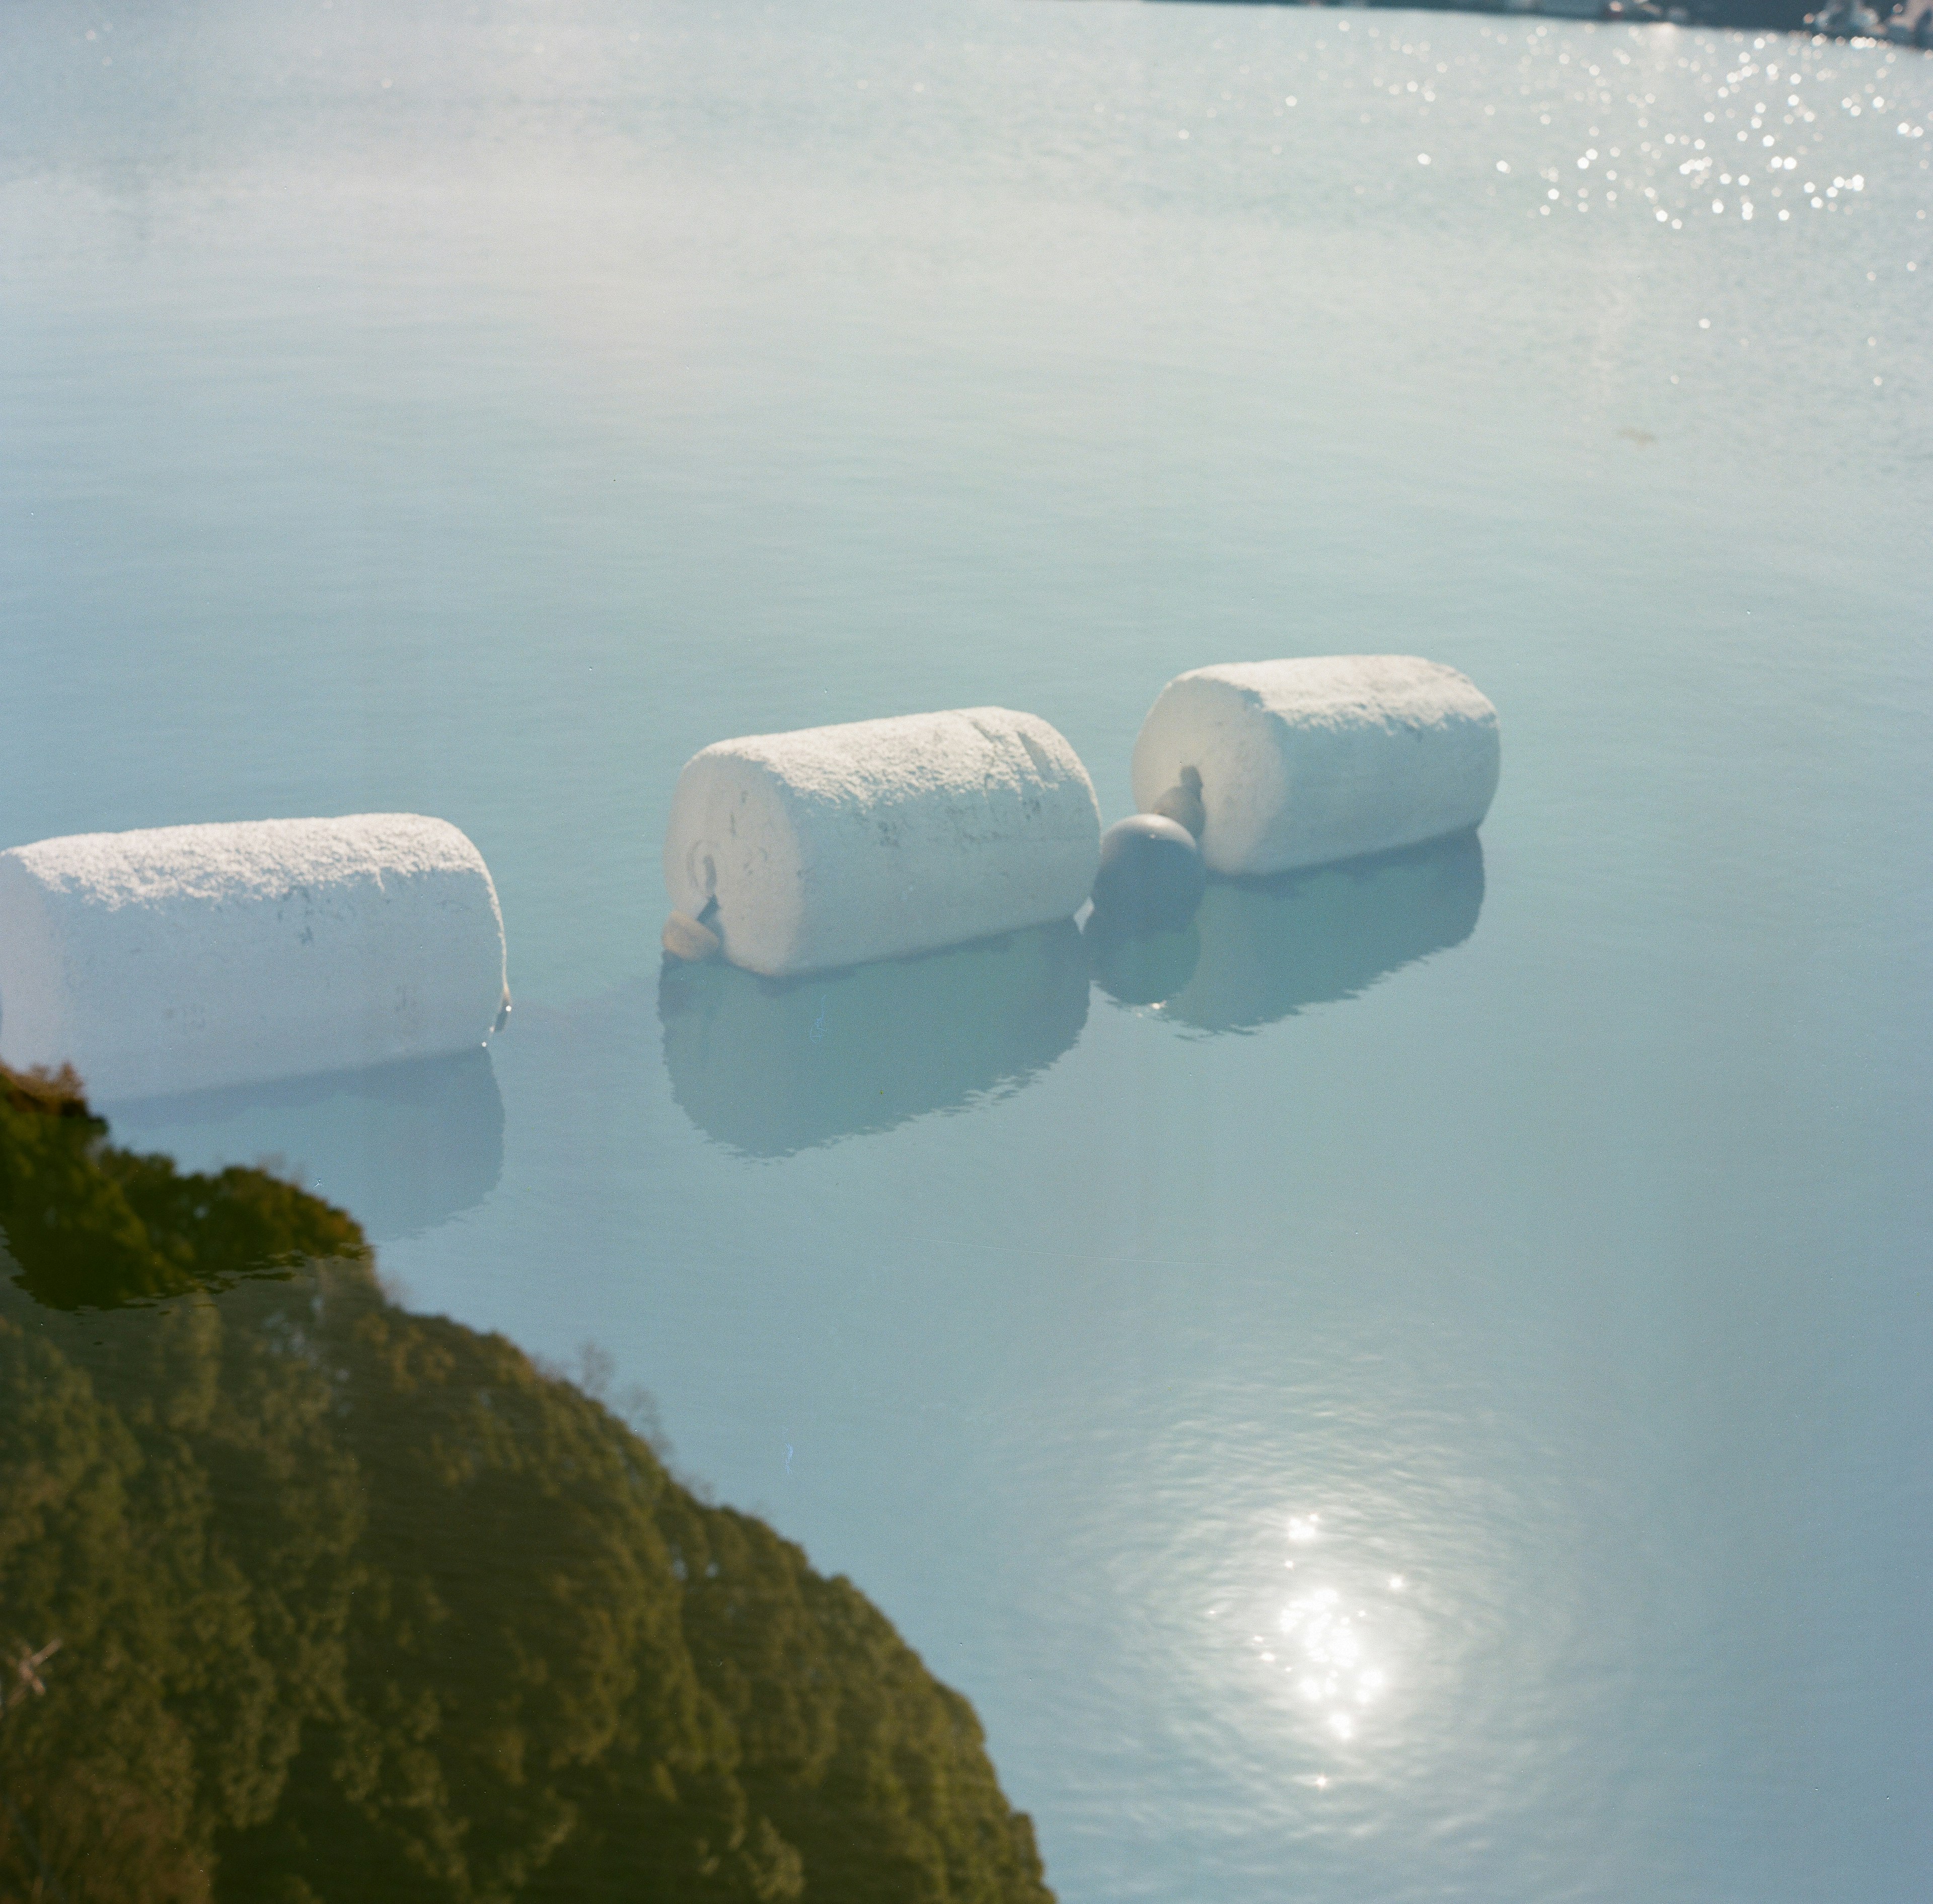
[{"x": 1431, "y": 1401}]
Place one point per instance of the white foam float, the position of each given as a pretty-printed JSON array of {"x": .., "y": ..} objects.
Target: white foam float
[
  {"x": 832, "y": 845},
  {"x": 182, "y": 958},
  {"x": 1276, "y": 765}
]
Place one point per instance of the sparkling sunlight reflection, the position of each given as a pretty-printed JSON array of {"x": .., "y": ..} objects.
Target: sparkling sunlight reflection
[{"x": 1330, "y": 1644}]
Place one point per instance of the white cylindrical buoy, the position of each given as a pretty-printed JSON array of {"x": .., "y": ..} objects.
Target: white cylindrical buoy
[
  {"x": 832, "y": 845},
  {"x": 1287, "y": 764},
  {"x": 185, "y": 957}
]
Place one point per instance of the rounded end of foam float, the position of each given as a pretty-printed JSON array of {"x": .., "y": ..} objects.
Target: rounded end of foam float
[{"x": 1151, "y": 877}]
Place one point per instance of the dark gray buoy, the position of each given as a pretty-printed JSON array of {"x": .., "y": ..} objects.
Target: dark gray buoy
[{"x": 1151, "y": 877}]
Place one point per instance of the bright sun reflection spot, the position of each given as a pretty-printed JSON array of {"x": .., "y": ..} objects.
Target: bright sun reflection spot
[
  {"x": 1329, "y": 1657},
  {"x": 1341, "y": 1649}
]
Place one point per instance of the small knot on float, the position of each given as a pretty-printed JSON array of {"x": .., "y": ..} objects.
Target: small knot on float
[
  {"x": 1182, "y": 803},
  {"x": 685, "y": 937}
]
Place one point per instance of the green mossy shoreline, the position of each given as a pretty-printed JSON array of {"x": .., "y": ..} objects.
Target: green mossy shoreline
[{"x": 357, "y": 1604}]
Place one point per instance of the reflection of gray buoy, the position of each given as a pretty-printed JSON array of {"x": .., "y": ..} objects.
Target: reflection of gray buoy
[
  {"x": 1139, "y": 967},
  {"x": 771, "y": 1066},
  {"x": 1151, "y": 875}
]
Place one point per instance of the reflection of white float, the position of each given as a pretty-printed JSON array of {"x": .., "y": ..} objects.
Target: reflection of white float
[
  {"x": 1276, "y": 765},
  {"x": 833, "y": 846},
  {"x": 403, "y": 1148},
  {"x": 1269, "y": 948},
  {"x": 770, "y": 1066},
  {"x": 187, "y": 957}
]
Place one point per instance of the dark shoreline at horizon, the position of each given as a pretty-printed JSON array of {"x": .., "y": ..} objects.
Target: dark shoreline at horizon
[{"x": 1819, "y": 23}]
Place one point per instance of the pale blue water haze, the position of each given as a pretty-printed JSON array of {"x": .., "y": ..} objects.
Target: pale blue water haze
[{"x": 1438, "y": 1407}]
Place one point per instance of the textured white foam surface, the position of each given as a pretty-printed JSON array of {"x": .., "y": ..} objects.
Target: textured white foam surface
[
  {"x": 832, "y": 845},
  {"x": 1306, "y": 761},
  {"x": 184, "y": 957}
]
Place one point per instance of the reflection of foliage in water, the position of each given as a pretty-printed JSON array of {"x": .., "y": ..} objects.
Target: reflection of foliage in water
[
  {"x": 358, "y": 1604},
  {"x": 89, "y": 1225}
]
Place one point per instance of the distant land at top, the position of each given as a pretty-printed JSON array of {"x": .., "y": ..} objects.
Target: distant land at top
[{"x": 1908, "y": 22}]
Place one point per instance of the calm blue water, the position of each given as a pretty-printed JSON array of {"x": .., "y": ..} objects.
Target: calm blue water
[{"x": 1438, "y": 1408}]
